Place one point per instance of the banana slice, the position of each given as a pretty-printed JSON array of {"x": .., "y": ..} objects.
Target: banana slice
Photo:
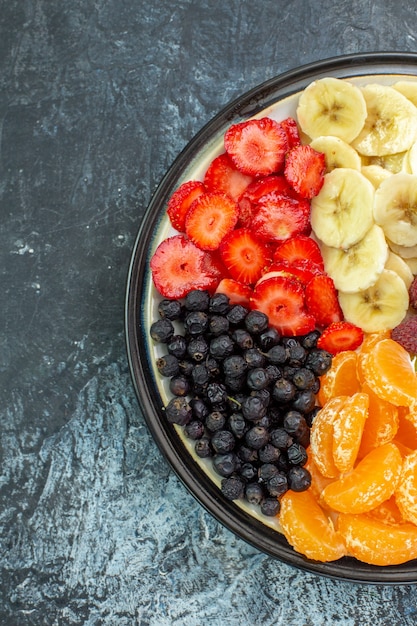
[
  {"x": 391, "y": 122},
  {"x": 381, "y": 306},
  {"x": 375, "y": 174},
  {"x": 411, "y": 159},
  {"x": 405, "y": 252},
  {"x": 338, "y": 153},
  {"x": 391, "y": 162},
  {"x": 331, "y": 106},
  {"x": 395, "y": 208},
  {"x": 412, "y": 264},
  {"x": 356, "y": 268},
  {"x": 341, "y": 213},
  {"x": 400, "y": 267},
  {"x": 408, "y": 89}
]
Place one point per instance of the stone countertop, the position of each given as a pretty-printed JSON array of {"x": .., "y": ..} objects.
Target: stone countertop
[{"x": 96, "y": 100}]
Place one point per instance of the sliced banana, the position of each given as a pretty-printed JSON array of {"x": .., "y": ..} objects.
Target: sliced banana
[
  {"x": 375, "y": 174},
  {"x": 395, "y": 208},
  {"x": 405, "y": 252},
  {"x": 411, "y": 159},
  {"x": 332, "y": 106},
  {"x": 342, "y": 212},
  {"x": 391, "y": 122},
  {"x": 382, "y": 306},
  {"x": 358, "y": 267},
  {"x": 400, "y": 267},
  {"x": 338, "y": 153},
  {"x": 407, "y": 88},
  {"x": 391, "y": 162},
  {"x": 412, "y": 264}
]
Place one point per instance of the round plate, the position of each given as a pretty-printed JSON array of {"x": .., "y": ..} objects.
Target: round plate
[{"x": 276, "y": 98}]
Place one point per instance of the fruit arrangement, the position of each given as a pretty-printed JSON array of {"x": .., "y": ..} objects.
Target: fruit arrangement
[{"x": 287, "y": 313}]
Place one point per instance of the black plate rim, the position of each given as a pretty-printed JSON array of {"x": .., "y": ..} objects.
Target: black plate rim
[{"x": 191, "y": 475}]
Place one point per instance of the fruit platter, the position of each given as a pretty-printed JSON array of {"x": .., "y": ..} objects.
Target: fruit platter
[{"x": 271, "y": 317}]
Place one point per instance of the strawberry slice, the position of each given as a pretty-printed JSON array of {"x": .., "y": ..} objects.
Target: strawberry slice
[
  {"x": 210, "y": 218},
  {"x": 244, "y": 256},
  {"x": 322, "y": 301},
  {"x": 302, "y": 269},
  {"x": 178, "y": 266},
  {"x": 257, "y": 147},
  {"x": 340, "y": 336},
  {"x": 181, "y": 200},
  {"x": 297, "y": 248},
  {"x": 304, "y": 170},
  {"x": 223, "y": 176},
  {"x": 256, "y": 190},
  {"x": 279, "y": 217},
  {"x": 292, "y": 132},
  {"x": 238, "y": 293},
  {"x": 282, "y": 299}
]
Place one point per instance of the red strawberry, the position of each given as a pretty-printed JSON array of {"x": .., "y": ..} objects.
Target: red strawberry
[
  {"x": 282, "y": 300},
  {"x": 304, "y": 170},
  {"x": 181, "y": 200},
  {"x": 291, "y": 130},
  {"x": 210, "y": 218},
  {"x": 222, "y": 176},
  {"x": 322, "y": 302},
  {"x": 256, "y": 190},
  {"x": 297, "y": 248},
  {"x": 178, "y": 266},
  {"x": 340, "y": 336},
  {"x": 257, "y": 147},
  {"x": 303, "y": 269},
  {"x": 238, "y": 293},
  {"x": 244, "y": 256},
  {"x": 279, "y": 217}
]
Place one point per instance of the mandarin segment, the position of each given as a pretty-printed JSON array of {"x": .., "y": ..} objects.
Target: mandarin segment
[
  {"x": 387, "y": 512},
  {"x": 377, "y": 543},
  {"x": 407, "y": 428},
  {"x": 389, "y": 372},
  {"x": 307, "y": 528},
  {"x": 347, "y": 430},
  {"x": 373, "y": 480},
  {"x": 381, "y": 425},
  {"x": 341, "y": 379},
  {"x": 406, "y": 492},
  {"x": 321, "y": 437}
]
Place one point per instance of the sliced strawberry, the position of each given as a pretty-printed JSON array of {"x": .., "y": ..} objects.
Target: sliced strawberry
[
  {"x": 256, "y": 190},
  {"x": 257, "y": 147},
  {"x": 244, "y": 256},
  {"x": 279, "y": 217},
  {"x": 292, "y": 132},
  {"x": 340, "y": 336},
  {"x": 181, "y": 200},
  {"x": 282, "y": 300},
  {"x": 238, "y": 293},
  {"x": 303, "y": 269},
  {"x": 178, "y": 266},
  {"x": 322, "y": 301},
  {"x": 210, "y": 218},
  {"x": 297, "y": 248},
  {"x": 223, "y": 176},
  {"x": 304, "y": 170}
]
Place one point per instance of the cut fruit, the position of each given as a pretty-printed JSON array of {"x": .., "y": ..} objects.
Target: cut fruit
[
  {"x": 307, "y": 528},
  {"x": 321, "y": 437},
  {"x": 381, "y": 425},
  {"x": 222, "y": 176},
  {"x": 373, "y": 480},
  {"x": 210, "y": 218},
  {"x": 278, "y": 217},
  {"x": 387, "y": 512},
  {"x": 372, "y": 541},
  {"x": 238, "y": 293},
  {"x": 304, "y": 170},
  {"x": 340, "y": 336},
  {"x": 406, "y": 492},
  {"x": 181, "y": 200},
  {"x": 347, "y": 430},
  {"x": 244, "y": 256},
  {"x": 341, "y": 379}
]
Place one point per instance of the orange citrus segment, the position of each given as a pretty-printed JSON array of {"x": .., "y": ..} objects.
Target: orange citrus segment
[
  {"x": 321, "y": 437},
  {"x": 407, "y": 427},
  {"x": 347, "y": 431},
  {"x": 369, "y": 341},
  {"x": 372, "y": 541},
  {"x": 318, "y": 481},
  {"x": 381, "y": 425},
  {"x": 372, "y": 481},
  {"x": 389, "y": 372},
  {"x": 308, "y": 529},
  {"x": 388, "y": 512},
  {"x": 341, "y": 379},
  {"x": 406, "y": 492}
]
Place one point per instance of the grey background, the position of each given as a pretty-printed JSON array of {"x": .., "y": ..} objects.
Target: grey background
[{"x": 96, "y": 100}]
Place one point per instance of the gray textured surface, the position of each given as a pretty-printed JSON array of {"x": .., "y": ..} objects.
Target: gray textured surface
[{"x": 96, "y": 99}]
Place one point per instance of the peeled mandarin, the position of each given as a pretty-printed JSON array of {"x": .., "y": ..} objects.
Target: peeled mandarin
[
  {"x": 406, "y": 492},
  {"x": 321, "y": 437},
  {"x": 387, "y": 512},
  {"x": 370, "y": 340},
  {"x": 372, "y": 541},
  {"x": 407, "y": 428},
  {"x": 341, "y": 378},
  {"x": 347, "y": 430},
  {"x": 381, "y": 425},
  {"x": 389, "y": 372},
  {"x": 318, "y": 481},
  {"x": 308, "y": 529},
  {"x": 373, "y": 480}
]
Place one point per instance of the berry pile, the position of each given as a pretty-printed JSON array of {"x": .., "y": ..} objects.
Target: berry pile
[{"x": 244, "y": 393}]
